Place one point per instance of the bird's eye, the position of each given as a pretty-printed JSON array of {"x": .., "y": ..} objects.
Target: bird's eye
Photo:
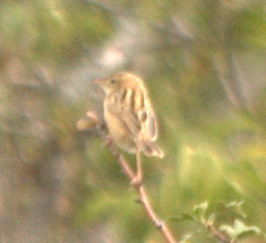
[{"x": 113, "y": 81}]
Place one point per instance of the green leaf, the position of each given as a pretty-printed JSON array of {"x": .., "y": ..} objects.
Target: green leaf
[
  {"x": 199, "y": 211},
  {"x": 229, "y": 230},
  {"x": 242, "y": 229},
  {"x": 186, "y": 238},
  {"x": 234, "y": 206},
  {"x": 211, "y": 219},
  {"x": 239, "y": 230}
]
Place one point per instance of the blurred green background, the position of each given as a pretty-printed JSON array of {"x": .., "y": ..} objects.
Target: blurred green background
[{"x": 204, "y": 64}]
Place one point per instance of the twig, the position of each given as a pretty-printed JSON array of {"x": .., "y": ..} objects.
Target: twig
[
  {"x": 92, "y": 122},
  {"x": 218, "y": 234},
  {"x": 143, "y": 198}
]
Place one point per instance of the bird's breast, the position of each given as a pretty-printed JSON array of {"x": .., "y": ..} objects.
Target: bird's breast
[{"x": 119, "y": 131}]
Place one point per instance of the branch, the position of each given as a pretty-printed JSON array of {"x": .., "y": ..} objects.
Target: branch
[
  {"x": 218, "y": 234},
  {"x": 93, "y": 122}
]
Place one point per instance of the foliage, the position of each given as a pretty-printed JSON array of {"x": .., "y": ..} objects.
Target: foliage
[
  {"x": 206, "y": 218},
  {"x": 203, "y": 63}
]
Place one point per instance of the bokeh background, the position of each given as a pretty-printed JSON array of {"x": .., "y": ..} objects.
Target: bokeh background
[{"x": 204, "y": 64}]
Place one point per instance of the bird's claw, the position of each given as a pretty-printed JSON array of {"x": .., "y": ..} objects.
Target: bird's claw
[{"x": 108, "y": 141}]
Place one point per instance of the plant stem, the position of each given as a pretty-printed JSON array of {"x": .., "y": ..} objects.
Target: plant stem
[
  {"x": 143, "y": 198},
  {"x": 218, "y": 234}
]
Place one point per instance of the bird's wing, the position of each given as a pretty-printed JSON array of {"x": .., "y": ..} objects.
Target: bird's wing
[
  {"x": 133, "y": 107},
  {"x": 149, "y": 124}
]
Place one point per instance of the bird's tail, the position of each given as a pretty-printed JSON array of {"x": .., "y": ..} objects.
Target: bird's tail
[{"x": 150, "y": 149}]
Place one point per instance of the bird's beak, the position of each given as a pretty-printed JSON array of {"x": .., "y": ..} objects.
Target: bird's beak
[{"x": 101, "y": 83}]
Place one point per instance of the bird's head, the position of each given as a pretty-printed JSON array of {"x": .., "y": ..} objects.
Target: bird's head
[{"x": 118, "y": 81}]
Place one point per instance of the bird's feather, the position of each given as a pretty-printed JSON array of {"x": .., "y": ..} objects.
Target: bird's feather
[{"x": 134, "y": 109}]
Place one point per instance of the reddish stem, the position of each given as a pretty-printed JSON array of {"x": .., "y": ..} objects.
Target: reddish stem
[{"x": 143, "y": 198}]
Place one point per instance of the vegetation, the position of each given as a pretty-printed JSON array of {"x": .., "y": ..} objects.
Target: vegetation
[{"x": 203, "y": 63}]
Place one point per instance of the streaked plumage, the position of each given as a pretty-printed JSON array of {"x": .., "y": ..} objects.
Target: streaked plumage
[{"x": 128, "y": 114}]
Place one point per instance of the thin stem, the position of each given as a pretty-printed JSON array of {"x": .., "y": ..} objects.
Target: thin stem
[
  {"x": 218, "y": 234},
  {"x": 143, "y": 198},
  {"x": 139, "y": 167}
]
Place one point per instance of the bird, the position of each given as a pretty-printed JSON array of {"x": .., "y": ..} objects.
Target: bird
[{"x": 129, "y": 116}]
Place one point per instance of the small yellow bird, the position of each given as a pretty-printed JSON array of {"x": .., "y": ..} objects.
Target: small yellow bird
[{"x": 129, "y": 116}]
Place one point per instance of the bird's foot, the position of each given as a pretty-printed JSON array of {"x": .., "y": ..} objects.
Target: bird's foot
[{"x": 108, "y": 141}]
